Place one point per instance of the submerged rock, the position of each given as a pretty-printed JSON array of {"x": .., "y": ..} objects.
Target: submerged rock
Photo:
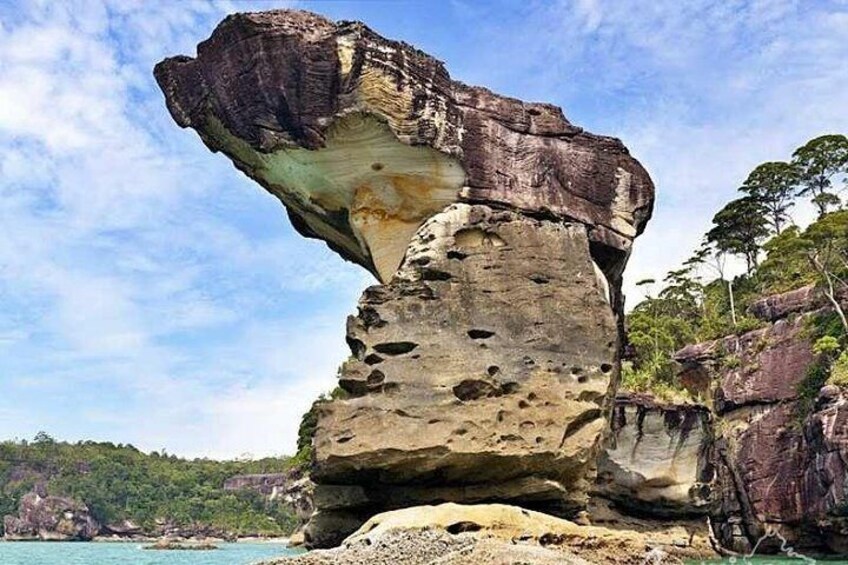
[{"x": 482, "y": 366}]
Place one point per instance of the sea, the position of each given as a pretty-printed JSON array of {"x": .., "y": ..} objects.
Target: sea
[
  {"x": 106, "y": 553},
  {"x": 126, "y": 553}
]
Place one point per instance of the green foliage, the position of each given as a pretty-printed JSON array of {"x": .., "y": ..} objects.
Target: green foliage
[
  {"x": 772, "y": 185},
  {"x": 839, "y": 371},
  {"x": 118, "y": 482},
  {"x": 657, "y": 379},
  {"x": 688, "y": 309},
  {"x": 816, "y": 376},
  {"x": 739, "y": 228},
  {"x": 818, "y": 163},
  {"x": 827, "y": 345}
]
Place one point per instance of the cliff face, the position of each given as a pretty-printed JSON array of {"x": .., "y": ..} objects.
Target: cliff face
[
  {"x": 50, "y": 518},
  {"x": 780, "y": 463},
  {"x": 657, "y": 462},
  {"x": 482, "y": 366}
]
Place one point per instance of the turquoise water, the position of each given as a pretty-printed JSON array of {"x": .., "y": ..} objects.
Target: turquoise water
[
  {"x": 766, "y": 560},
  {"x": 49, "y": 553}
]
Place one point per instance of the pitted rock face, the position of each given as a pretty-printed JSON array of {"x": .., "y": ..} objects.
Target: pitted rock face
[
  {"x": 481, "y": 372},
  {"x": 482, "y": 367},
  {"x": 364, "y": 138}
]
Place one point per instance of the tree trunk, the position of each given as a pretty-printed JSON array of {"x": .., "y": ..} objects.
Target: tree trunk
[{"x": 732, "y": 303}]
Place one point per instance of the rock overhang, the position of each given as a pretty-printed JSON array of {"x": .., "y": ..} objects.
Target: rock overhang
[{"x": 363, "y": 138}]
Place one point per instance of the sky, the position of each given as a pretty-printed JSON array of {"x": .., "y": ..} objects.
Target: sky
[{"x": 151, "y": 294}]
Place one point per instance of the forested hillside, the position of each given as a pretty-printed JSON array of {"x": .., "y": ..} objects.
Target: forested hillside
[
  {"x": 702, "y": 301},
  {"x": 119, "y": 483}
]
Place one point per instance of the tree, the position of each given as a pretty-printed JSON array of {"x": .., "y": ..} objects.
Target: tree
[
  {"x": 818, "y": 162},
  {"x": 773, "y": 186},
  {"x": 738, "y": 229},
  {"x": 711, "y": 256},
  {"x": 826, "y": 242}
]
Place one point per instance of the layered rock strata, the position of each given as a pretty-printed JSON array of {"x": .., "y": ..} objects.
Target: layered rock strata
[
  {"x": 657, "y": 461},
  {"x": 482, "y": 365},
  {"x": 780, "y": 450}
]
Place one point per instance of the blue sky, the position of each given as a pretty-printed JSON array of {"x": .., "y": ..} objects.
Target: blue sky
[{"x": 150, "y": 294}]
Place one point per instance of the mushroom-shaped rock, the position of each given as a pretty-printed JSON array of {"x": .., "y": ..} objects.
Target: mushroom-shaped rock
[
  {"x": 482, "y": 367},
  {"x": 364, "y": 138}
]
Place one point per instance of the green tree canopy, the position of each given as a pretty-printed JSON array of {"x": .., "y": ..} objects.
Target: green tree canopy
[
  {"x": 819, "y": 163},
  {"x": 739, "y": 228},
  {"x": 773, "y": 186}
]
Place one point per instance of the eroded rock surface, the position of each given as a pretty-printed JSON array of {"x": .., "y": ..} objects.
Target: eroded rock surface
[
  {"x": 480, "y": 373},
  {"x": 779, "y": 458},
  {"x": 483, "y": 365},
  {"x": 50, "y": 518},
  {"x": 657, "y": 463},
  {"x": 363, "y": 138},
  {"x": 454, "y": 534}
]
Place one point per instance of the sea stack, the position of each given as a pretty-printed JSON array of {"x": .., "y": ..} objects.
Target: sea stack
[{"x": 485, "y": 361}]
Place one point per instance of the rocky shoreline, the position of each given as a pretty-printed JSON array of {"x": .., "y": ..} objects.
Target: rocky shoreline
[{"x": 480, "y": 418}]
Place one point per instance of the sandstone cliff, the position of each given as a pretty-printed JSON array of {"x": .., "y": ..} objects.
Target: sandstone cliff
[
  {"x": 780, "y": 448},
  {"x": 482, "y": 367}
]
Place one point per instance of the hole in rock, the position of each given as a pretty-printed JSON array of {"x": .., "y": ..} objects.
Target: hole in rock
[
  {"x": 509, "y": 388},
  {"x": 472, "y": 389},
  {"x": 435, "y": 275},
  {"x": 395, "y": 347},
  {"x": 493, "y": 370},
  {"x": 458, "y": 255},
  {"x": 376, "y": 166},
  {"x": 460, "y": 527},
  {"x": 582, "y": 379},
  {"x": 527, "y": 361},
  {"x": 476, "y": 237},
  {"x": 357, "y": 348},
  {"x": 373, "y": 359},
  {"x": 376, "y": 377},
  {"x": 371, "y": 318},
  {"x": 480, "y": 334},
  {"x": 606, "y": 368},
  {"x": 540, "y": 279}
]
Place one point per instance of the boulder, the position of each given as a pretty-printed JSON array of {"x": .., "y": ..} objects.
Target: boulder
[
  {"x": 482, "y": 366},
  {"x": 779, "y": 306},
  {"x": 495, "y": 533},
  {"x": 50, "y": 518},
  {"x": 657, "y": 462}
]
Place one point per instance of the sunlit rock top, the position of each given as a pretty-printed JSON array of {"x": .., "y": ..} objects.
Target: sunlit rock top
[{"x": 363, "y": 138}]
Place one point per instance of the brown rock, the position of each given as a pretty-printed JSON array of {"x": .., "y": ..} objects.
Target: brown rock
[
  {"x": 498, "y": 534},
  {"x": 466, "y": 373},
  {"x": 50, "y": 518},
  {"x": 779, "y": 306},
  {"x": 483, "y": 364},
  {"x": 363, "y": 138}
]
